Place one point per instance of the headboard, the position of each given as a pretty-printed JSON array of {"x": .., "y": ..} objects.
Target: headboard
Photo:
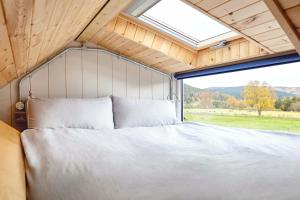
[{"x": 89, "y": 73}]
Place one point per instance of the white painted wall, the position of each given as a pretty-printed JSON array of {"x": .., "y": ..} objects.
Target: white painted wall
[
  {"x": 95, "y": 73},
  {"x": 86, "y": 74}
]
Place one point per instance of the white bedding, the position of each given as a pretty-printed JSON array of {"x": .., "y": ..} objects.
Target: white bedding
[{"x": 176, "y": 162}]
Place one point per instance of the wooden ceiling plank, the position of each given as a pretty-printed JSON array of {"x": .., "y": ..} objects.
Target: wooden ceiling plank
[
  {"x": 7, "y": 64},
  {"x": 284, "y": 22},
  {"x": 253, "y": 21},
  {"x": 66, "y": 29},
  {"x": 5, "y": 47},
  {"x": 276, "y": 41},
  {"x": 265, "y": 27},
  {"x": 230, "y": 6},
  {"x": 209, "y": 4},
  {"x": 244, "y": 13},
  {"x": 110, "y": 11},
  {"x": 269, "y": 35},
  {"x": 19, "y": 13},
  {"x": 42, "y": 13},
  {"x": 54, "y": 25}
]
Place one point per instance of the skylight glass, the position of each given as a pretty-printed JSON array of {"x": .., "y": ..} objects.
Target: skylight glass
[{"x": 183, "y": 21}]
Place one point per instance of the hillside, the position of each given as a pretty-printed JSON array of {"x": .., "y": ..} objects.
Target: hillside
[{"x": 237, "y": 91}]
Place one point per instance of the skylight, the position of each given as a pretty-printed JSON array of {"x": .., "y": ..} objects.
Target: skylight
[{"x": 184, "y": 22}]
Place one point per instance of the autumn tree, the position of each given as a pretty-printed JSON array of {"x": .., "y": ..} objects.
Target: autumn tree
[
  {"x": 259, "y": 96},
  {"x": 232, "y": 102},
  {"x": 206, "y": 99}
]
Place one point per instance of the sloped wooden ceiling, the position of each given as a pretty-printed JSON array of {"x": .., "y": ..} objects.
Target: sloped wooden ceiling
[
  {"x": 253, "y": 19},
  {"x": 32, "y": 31}
]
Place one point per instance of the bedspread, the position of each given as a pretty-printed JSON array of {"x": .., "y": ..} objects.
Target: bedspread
[{"x": 176, "y": 162}]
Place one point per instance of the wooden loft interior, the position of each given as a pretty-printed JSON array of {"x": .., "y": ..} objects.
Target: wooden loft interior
[{"x": 32, "y": 32}]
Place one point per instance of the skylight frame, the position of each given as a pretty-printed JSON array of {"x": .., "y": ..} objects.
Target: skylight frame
[{"x": 185, "y": 37}]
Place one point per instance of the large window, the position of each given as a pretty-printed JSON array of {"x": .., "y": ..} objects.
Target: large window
[
  {"x": 263, "y": 99},
  {"x": 184, "y": 22}
]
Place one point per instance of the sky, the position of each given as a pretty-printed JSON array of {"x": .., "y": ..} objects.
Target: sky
[{"x": 287, "y": 75}]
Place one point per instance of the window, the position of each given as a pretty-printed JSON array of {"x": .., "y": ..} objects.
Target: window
[
  {"x": 263, "y": 99},
  {"x": 185, "y": 23}
]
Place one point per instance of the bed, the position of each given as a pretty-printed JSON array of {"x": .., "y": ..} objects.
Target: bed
[
  {"x": 183, "y": 161},
  {"x": 137, "y": 149}
]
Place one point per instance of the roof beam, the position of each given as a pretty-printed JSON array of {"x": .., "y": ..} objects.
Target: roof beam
[{"x": 284, "y": 22}]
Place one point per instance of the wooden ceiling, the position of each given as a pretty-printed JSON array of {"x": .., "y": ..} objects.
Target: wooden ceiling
[
  {"x": 255, "y": 19},
  {"x": 32, "y": 31}
]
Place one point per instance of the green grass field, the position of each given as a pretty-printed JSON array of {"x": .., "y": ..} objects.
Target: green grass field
[{"x": 271, "y": 120}]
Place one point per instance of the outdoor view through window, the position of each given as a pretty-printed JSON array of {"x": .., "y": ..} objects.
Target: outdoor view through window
[{"x": 263, "y": 99}]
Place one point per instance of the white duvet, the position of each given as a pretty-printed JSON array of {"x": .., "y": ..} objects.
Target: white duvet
[{"x": 177, "y": 162}]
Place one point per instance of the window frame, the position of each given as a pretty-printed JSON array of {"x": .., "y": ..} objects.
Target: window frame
[
  {"x": 185, "y": 37},
  {"x": 248, "y": 65}
]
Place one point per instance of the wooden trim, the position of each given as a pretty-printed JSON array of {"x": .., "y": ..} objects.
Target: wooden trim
[
  {"x": 167, "y": 36},
  {"x": 228, "y": 26},
  {"x": 284, "y": 22}
]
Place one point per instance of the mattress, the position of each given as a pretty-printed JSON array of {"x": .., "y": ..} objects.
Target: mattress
[{"x": 178, "y": 162}]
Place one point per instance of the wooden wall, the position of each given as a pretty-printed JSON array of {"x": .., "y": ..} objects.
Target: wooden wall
[
  {"x": 237, "y": 50},
  {"x": 86, "y": 74}
]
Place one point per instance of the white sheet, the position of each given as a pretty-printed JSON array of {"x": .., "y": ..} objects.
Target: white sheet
[{"x": 177, "y": 162}]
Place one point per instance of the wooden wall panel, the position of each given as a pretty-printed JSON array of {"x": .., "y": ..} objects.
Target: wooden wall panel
[
  {"x": 145, "y": 83},
  {"x": 105, "y": 75},
  {"x": 74, "y": 74},
  {"x": 39, "y": 82},
  {"x": 139, "y": 42},
  {"x": 157, "y": 86},
  {"x": 93, "y": 73},
  {"x": 234, "y": 51},
  {"x": 52, "y": 79},
  {"x": 57, "y": 77},
  {"x": 90, "y": 74},
  {"x": 166, "y": 87},
  {"x": 133, "y": 80},
  {"x": 119, "y": 77}
]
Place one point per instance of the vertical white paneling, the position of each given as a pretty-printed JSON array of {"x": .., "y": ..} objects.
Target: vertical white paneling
[
  {"x": 57, "y": 77},
  {"x": 90, "y": 73},
  {"x": 119, "y": 77},
  {"x": 105, "y": 74},
  {"x": 24, "y": 87},
  {"x": 178, "y": 90},
  {"x": 74, "y": 74},
  {"x": 5, "y": 104},
  {"x": 39, "y": 82},
  {"x": 87, "y": 73},
  {"x": 133, "y": 80},
  {"x": 145, "y": 83},
  {"x": 157, "y": 85},
  {"x": 13, "y": 98},
  {"x": 166, "y": 87}
]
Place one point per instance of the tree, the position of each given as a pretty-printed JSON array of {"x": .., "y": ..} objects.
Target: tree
[
  {"x": 206, "y": 99},
  {"x": 295, "y": 106},
  {"x": 259, "y": 96},
  {"x": 232, "y": 102}
]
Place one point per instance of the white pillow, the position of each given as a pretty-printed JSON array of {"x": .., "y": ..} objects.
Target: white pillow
[
  {"x": 139, "y": 113},
  {"x": 70, "y": 113}
]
